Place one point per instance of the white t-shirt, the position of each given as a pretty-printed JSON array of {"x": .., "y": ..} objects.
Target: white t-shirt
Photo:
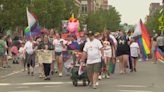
[
  {"x": 107, "y": 44},
  {"x": 58, "y": 45},
  {"x": 113, "y": 38},
  {"x": 93, "y": 51},
  {"x": 29, "y": 47},
  {"x": 134, "y": 49},
  {"x": 21, "y": 51}
]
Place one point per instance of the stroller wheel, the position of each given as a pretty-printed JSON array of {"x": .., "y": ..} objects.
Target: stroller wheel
[
  {"x": 84, "y": 83},
  {"x": 75, "y": 83}
]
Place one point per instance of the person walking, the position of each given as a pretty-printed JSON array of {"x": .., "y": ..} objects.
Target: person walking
[
  {"x": 29, "y": 52},
  {"x": 153, "y": 49},
  {"x": 94, "y": 51},
  {"x": 2, "y": 50},
  {"x": 46, "y": 45}
]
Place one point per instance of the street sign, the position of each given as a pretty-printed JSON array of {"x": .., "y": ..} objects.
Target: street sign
[
  {"x": 161, "y": 27},
  {"x": 161, "y": 19}
]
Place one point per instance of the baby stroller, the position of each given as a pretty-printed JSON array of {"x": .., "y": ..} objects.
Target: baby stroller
[{"x": 75, "y": 76}]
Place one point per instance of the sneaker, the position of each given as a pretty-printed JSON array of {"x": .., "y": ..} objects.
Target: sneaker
[
  {"x": 32, "y": 73},
  {"x": 90, "y": 84},
  {"x": 56, "y": 71},
  {"x": 107, "y": 76},
  {"x": 13, "y": 62},
  {"x": 8, "y": 66},
  {"x": 100, "y": 77},
  {"x": 16, "y": 62},
  {"x": 121, "y": 72},
  {"x": 103, "y": 75},
  {"x": 60, "y": 74},
  {"x": 1, "y": 68},
  {"x": 52, "y": 72},
  {"x": 4, "y": 67},
  {"x": 40, "y": 75},
  {"x": 94, "y": 86},
  {"x": 97, "y": 83},
  {"x": 118, "y": 61},
  {"x": 140, "y": 59},
  {"x": 135, "y": 70},
  {"x": 125, "y": 71}
]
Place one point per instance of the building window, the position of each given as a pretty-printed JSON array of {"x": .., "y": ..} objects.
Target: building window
[{"x": 84, "y": 8}]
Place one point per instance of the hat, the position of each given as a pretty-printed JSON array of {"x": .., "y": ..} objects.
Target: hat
[
  {"x": 98, "y": 33},
  {"x": 90, "y": 33}
]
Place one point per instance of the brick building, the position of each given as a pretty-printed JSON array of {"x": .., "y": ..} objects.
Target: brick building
[{"x": 155, "y": 6}]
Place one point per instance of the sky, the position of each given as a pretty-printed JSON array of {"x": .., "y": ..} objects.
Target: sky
[{"x": 132, "y": 10}]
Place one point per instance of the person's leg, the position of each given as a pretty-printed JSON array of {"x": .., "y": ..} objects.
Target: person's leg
[
  {"x": 125, "y": 59},
  {"x": 90, "y": 73},
  {"x": 120, "y": 58},
  {"x": 60, "y": 65},
  {"x": 135, "y": 63},
  {"x": 45, "y": 70},
  {"x": 7, "y": 62},
  {"x": 1, "y": 62},
  {"x": 107, "y": 67},
  {"x": 152, "y": 57},
  {"x": 41, "y": 70},
  {"x": 48, "y": 71},
  {"x": 155, "y": 58},
  {"x": 28, "y": 68},
  {"x": 55, "y": 67},
  {"x": 52, "y": 67},
  {"x": 96, "y": 70}
]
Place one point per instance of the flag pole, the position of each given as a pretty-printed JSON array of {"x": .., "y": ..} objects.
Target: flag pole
[{"x": 27, "y": 20}]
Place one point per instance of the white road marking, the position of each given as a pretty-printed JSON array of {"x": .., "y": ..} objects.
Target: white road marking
[
  {"x": 4, "y": 84},
  {"x": 14, "y": 73},
  {"x": 161, "y": 60},
  {"x": 51, "y": 86},
  {"x": 26, "y": 91},
  {"x": 23, "y": 87},
  {"x": 42, "y": 83},
  {"x": 133, "y": 91},
  {"x": 135, "y": 86}
]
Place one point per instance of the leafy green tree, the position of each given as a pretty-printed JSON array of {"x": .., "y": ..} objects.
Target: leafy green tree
[
  {"x": 103, "y": 18},
  {"x": 153, "y": 23}
]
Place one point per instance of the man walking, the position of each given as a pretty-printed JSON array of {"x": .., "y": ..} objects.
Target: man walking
[{"x": 94, "y": 50}]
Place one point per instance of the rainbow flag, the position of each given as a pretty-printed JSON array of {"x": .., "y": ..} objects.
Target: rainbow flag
[
  {"x": 81, "y": 69},
  {"x": 73, "y": 46},
  {"x": 142, "y": 37},
  {"x": 159, "y": 54},
  {"x": 33, "y": 28}
]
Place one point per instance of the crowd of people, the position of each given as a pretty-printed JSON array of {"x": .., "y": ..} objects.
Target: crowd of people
[{"x": 95, "y": 49}]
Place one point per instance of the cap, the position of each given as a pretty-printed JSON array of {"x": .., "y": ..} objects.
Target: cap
[
  {"x": 90, "y": 33},
  {"x": 98, "y": 33}
]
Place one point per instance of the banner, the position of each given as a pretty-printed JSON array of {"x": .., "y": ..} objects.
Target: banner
[{"x": 45, "y": 56}]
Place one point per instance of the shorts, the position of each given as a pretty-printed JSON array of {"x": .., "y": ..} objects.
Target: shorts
[
  {"x": 134, "y": 57},
  {"x": 107, "y": 53},
  {"x": 119, "y": 53},
  {"x": 153, "y": 50},
  {"x": 57, "y": 54},
  {"x": 2, "y": 54},
  {"x": 91, "y": 68},
  {"x": 13, "y": 53}
]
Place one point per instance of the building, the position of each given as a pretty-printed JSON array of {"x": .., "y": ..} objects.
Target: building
[
  {"x": 155, "y": 6},
  {"x": 105, "y": 4},
  {"x": 146, "y": 19}
]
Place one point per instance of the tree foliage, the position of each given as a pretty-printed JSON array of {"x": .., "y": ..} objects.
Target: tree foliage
[
  {"x": 153, "y": 23},
  {"x": 103, "y": 18}
]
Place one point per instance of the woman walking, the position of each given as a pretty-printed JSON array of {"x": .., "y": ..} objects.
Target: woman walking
[
  {"x": 123, "y": 51},
  {"x": 153, "y": 49},
  {"x": 46, "y": 45},
  {"x": 109, "y": 51},
  {"x": 59, "y": 45},
  {"x": 29, "y": 53},
  {"x": 135, "y": 51}
]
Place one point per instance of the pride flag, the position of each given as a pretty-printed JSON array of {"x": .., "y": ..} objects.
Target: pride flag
[
  {"x": 33, "y": 28},
  {"x": 81, "y": 69},
  {"x": 159, "y": 54},
  {"x": 142, "y": 37}
]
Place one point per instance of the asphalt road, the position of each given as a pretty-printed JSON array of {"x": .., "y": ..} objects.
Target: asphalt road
[{"x": 148, "y": 78}]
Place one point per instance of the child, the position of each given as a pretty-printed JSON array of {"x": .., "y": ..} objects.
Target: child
[{"x": 20, "y": 54}]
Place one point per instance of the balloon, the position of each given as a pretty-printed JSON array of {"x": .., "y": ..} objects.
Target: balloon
[{"x": 79, "y": 29}]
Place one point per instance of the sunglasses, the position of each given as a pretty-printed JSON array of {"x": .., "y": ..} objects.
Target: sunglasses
[
  {"x": 81, "y": 36},
  {"x": 96, "y": 36}
]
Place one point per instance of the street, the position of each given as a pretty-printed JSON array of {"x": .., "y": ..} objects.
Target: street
[{"x": 148, "y": 78}]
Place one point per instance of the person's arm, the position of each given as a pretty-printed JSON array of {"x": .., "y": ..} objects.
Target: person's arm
[{"x": 84, "y": 54}]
